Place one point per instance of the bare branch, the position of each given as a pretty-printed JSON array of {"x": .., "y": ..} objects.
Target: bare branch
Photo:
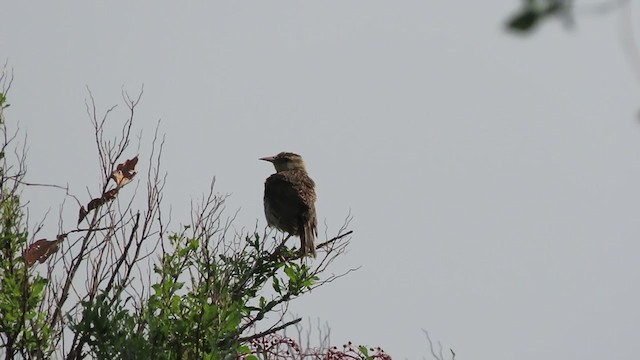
[
  {"x": 438, "y": 355},
  {"x": 270, "y": 331}
]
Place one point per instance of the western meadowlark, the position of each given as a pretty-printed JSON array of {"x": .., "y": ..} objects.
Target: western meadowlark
[{"x": 289, "y": 200}]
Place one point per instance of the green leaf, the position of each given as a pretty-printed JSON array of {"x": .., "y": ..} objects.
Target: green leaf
[
  {"x": 38, "y": 286},
  {"x": 30, "y": 315},
  {"x": 244, "y": 349},
  {"x": 524, "y": 21},
  {"x": 363, "y": 349},
  {"x": 233, "y": 320},
  {"x": 291, "y": 273},
  {"x": 276, "y": 285},
  {"x": 251, "y": 357},
  {"x": 533, "y": 13},
  {"x": 211, "y": 356},
  {"x": 210, "y": 313}
]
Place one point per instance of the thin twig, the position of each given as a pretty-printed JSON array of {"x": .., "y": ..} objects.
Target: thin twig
[
  {"x": 321, "y": 245},
  {"x": 270, "y": 331}
]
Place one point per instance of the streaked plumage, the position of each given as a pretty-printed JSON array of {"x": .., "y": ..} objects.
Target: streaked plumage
[{"x": 289, "y": 200}]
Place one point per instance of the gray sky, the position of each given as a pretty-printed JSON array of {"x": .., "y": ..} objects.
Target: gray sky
[{"x": 493, "y": 178}]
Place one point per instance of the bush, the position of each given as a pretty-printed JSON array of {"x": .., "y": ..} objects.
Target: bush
[{"x": 120, "y": 285}]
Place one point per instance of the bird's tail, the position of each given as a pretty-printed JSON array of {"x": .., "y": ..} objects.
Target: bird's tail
[{"x": 307, "y": 238}]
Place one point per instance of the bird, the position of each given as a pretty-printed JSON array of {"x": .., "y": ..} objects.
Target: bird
[{"x": 289, "y": 200}]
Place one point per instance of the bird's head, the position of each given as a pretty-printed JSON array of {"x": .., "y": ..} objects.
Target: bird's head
[{"x": 285, "y": 161}]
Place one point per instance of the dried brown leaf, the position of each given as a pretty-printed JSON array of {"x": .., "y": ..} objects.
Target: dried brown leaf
[
  {"x": 109, "y": 195},
  {"x": 124, "y": 173},
  {"x": 40, "y": 250},
  {"x": 83, "y": 213},
  {"x": 96, "y": 203}
]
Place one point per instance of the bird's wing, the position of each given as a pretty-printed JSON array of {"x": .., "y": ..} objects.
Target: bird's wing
[{"x": 286, "y": 200}]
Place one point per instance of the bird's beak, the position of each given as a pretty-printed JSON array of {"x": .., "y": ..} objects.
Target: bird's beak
[{"x": 268, "y": 158}]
